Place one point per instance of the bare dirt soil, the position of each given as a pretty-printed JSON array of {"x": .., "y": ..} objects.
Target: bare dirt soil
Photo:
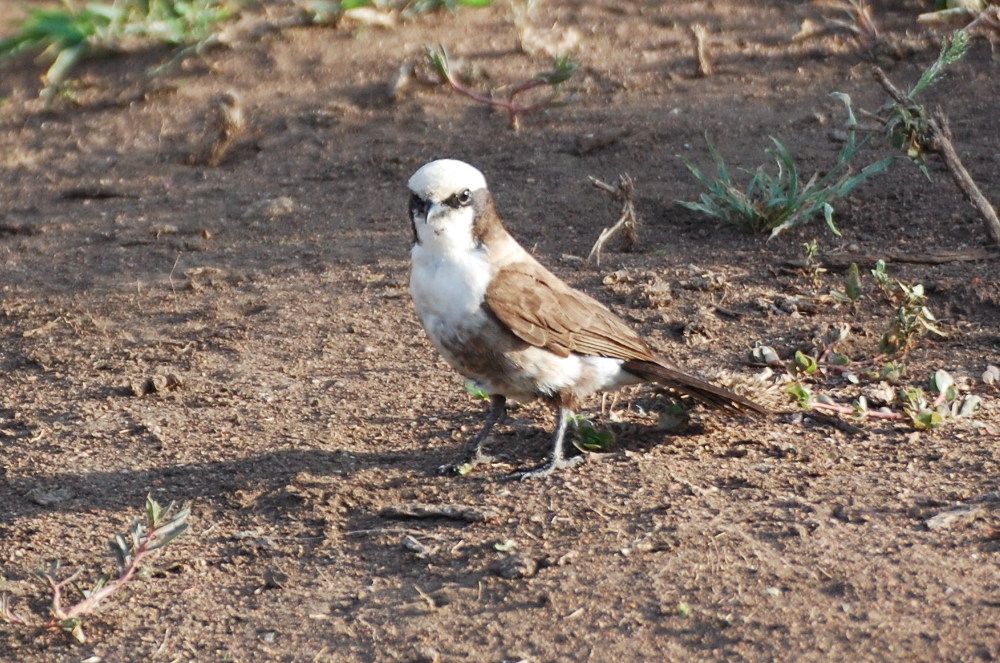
[{"x": 309, "y": 402}]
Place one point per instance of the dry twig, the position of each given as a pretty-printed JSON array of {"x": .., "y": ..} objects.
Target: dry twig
[
  {"x": 627, "y": 223},
  {"x": 452, "y": 511}
]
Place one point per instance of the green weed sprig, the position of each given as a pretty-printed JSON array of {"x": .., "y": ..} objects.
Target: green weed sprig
[
  {"x": 159, "y": 528},
  {"x": 562, "y": 70}
]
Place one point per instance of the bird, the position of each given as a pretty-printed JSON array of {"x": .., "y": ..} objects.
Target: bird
[{"x": 515, "y": 329}]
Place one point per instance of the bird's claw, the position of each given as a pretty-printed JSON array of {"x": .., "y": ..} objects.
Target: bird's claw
[
  {"x": 464, "y": 467},
  {"x": 545, "y": 469}
]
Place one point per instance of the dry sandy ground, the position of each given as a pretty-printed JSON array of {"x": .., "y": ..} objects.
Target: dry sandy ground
[{"x": 309, "y": 401}]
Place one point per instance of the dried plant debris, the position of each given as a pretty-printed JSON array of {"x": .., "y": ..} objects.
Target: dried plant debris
[{"x": 225, "y": 124}]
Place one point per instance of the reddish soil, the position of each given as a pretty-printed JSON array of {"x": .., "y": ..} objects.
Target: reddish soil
[{"x": 274, "y": 287}]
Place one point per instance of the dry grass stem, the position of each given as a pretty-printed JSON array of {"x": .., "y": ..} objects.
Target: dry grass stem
[{"x": 700, "y": 34}]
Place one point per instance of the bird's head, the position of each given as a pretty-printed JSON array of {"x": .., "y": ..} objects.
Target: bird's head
[{"x": 450, "y": 206}]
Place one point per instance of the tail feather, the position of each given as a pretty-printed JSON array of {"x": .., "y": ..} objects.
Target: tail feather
[{"x": 718, "y": 398}]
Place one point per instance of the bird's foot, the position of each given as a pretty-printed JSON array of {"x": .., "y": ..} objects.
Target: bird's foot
[
  {"x": 469, "y": 463},
  {"x": 546, "y": 468}
]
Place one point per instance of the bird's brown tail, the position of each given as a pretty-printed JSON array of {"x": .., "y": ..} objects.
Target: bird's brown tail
[{"x": 704, "y": 392}]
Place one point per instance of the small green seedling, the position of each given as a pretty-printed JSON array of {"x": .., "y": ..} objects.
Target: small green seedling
[
  {"x": 852, "y": 286},
  {"x": 473, "y": 389},
  {"x": 945, "y": 402},
  {"x": 562, "y": 70},
  {"x": 158, "y": 529},
  {"x": 588, "y": 438},
  {"x": 814, "y": 269}
]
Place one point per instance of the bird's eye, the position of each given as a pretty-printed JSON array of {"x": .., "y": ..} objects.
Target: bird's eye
[{"x": 461, "y": 199}]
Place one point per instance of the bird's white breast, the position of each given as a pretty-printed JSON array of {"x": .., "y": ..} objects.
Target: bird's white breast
[{"x": 448, "y": 290}]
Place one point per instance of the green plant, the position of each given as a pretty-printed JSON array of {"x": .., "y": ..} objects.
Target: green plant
[
  {"x": 775, "y": 202},
  {"x": 472, "y": 389},
  {"x": 910, "y": 127},
  {"x": 946, "y": 402},
  {"x": 907, "y": 123},
  {"x": 813, "y": 268},
  {"x": 159, "y": 528},
  {"x": 912, "y": 317},
  {"x": 562, "y": 70},
  {"x": 588, "y": 438},
  {"x": 68, "y": 34}
]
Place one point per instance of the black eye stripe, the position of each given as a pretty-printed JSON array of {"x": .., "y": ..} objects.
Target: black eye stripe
[{"x": 460, "y": 199}]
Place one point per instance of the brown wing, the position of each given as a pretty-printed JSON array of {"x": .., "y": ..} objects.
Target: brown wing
[{"x": 545, "y": 312}]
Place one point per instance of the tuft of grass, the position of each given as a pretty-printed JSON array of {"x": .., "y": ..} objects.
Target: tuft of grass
[
  {"x": 159, "y": 527},
  {"x": 68, "y": 34},
  {"x": 563, "y": 68},
  {"x": 777, "y": 201}
]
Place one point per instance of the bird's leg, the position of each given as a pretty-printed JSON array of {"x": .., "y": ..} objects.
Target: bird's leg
[
  {"x": 557, "y": 459},
  {"x": 475, "y": 452}
]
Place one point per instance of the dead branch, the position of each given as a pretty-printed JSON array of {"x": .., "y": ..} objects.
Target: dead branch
[
  {"x": 844, "y": 260},
  {"x": 452, "y": 511},
  {"x": 627, "y": 223}
]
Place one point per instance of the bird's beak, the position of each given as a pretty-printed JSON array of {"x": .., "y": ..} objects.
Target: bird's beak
[
  {"x": 434, "y": 210},
  {"x": 419, "y": 208}
]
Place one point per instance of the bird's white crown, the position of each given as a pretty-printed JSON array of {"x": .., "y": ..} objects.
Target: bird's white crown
[{"x": 437, "y": 180}]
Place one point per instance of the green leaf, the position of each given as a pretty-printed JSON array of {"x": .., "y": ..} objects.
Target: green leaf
[
  {"x": 926, "y": 419},
  {"x": 764, "y": 354},
  {"x": 853, "y": 285},
  {"x": 800, "y": 393},
  {"x": 846, "y": 99},
  {"x": 970, "y": 404},
  {"x": 153, "y": 511},
  {"x": 805, "y": 363},
  {"x": 828, "y": 215},
  {"x": 839, "y": 359},
  {"x": 172, "y": 529},
  {"x": 120, "y": 549},
  {"x": 473, "y": 389},
  {"x": 589, "y": 439},
  {"x": 942, "y": 382}
]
